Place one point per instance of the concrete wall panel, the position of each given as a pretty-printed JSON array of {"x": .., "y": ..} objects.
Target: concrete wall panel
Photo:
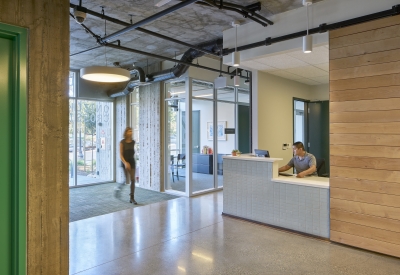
[{"x": 47, "y": 148}]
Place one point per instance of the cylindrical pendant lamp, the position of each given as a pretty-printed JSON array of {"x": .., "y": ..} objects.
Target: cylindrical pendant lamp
[
  {"x": 307, "y": 43},
  {"x": 236, "y": 80}
]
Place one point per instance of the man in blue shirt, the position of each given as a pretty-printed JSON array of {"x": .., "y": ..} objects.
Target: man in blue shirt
[{"x": 304, "y": 163}]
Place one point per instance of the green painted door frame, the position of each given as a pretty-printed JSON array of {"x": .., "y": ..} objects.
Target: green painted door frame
[{"x": 13, "y": 148}]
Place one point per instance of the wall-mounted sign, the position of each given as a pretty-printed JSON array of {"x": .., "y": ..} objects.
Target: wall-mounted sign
[{"x": 229, "y": 131}]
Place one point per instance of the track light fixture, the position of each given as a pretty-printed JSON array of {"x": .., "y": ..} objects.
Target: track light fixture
[
  {"x": 307, "y": 40},
  {"x": 236, "y": 54},
  {"x": 247, "y": 81}
]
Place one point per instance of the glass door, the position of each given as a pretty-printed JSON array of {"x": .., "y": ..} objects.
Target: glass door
[
  {"x": 91, "y": 142},
  {"x": 225, "y": 119}
]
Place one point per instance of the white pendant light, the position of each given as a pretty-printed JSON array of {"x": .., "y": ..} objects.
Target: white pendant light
[
  {"x": 307, "y": 43},
  {"x": 105, "y": 74},
  {"x": 307, "y": 40},
  {"x": 236, "y": 54},
  {"x": 236, "y": 80}
]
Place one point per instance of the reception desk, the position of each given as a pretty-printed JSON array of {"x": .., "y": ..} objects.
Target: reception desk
[{"x": 253, "y": 190}]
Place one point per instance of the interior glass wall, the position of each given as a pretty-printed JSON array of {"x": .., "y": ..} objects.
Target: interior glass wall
[
  {"x": 212, "y": 111},
  {"x": 202, "y": 140},
  {"x": 226, "y": 142},
  {"x": 90, "y": 139},
  {"x": 175, "y": 129}
]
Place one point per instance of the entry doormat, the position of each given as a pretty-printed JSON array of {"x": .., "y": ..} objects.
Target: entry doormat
[{"x": 95, "y": 200}]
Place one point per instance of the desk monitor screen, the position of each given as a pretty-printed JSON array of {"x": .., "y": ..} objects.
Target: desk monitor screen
[{"x": 261, "y": 153}]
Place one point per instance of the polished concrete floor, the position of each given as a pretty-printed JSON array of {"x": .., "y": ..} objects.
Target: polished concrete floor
[
  {"x": 190, "y": 236},
  {"x": 200, "y": 181}
]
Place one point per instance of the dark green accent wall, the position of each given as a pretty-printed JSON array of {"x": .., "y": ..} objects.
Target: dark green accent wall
[
  {"x": 318, "y": 130},
  {"x": 243, "y": 129},
  {"x": 13, "y": 60}
]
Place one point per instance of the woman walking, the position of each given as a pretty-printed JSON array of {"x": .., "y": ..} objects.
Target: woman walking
[{"x": 127, "y": 156}]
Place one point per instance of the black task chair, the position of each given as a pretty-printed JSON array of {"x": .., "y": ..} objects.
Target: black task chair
[
  {"x": 321, "y": 170},
  {"x": 180, "y": 164}
]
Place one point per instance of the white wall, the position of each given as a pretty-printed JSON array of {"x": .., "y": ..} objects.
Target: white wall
[
  {"x": 226, "y": 112},
  {"x": 275, "y": 113}
]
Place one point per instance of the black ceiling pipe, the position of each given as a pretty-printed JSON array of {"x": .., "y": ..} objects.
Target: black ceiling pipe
[
  {"x": 245, "y": 9},
  {"x": 122, "y": 23},
  {"x": 238, "y": 11},
  {"x": 119, "y": 47},
  {"x": 174, "y": 72},
  {"x": 145, "y": 21},
  {"x": 395, "y": 10}
]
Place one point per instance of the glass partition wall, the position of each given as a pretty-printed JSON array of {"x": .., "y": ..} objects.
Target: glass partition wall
[
  {"x": 194, "y": 151},
  {"x": 90, "y": 139}
]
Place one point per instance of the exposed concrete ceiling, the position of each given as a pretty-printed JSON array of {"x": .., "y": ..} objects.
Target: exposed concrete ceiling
[{"x": 193, "y": 24}]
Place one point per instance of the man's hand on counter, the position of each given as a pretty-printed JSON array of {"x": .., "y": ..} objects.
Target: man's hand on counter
[{"x": 300, "y": 175}]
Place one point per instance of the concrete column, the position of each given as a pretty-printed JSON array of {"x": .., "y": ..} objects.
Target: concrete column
[{"x": 47, "y": 116}]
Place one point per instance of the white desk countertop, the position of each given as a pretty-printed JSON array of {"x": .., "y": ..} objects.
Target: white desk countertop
[
  {"x": 320, "y": 182},
  {"x": 251, "y": 158}
]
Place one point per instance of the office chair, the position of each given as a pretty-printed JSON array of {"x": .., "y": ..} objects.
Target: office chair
[
  {"x": 321, "y": 171},
  {"x": 180, "y": 164}
]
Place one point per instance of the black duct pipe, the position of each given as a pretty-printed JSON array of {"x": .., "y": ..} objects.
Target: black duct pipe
[
  {"x": 395, "y": 10},
  {"x": 175, "y": 72},
  {"x": 145, "y": 21},
  {"x": 142, "y": 76},
  {"x": 132, "y": 83},
  {"x": 122, "y": 23},
  {"x": 188, "y": 56}
]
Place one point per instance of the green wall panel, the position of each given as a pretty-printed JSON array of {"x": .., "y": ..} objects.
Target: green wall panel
[{"x": 13, "y": 62}]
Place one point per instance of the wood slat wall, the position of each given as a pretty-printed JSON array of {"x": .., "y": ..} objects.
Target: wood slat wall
[{"x": 365, "y": 135}]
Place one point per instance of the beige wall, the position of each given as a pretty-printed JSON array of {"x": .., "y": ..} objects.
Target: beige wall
[
  {"x": 275, "y": 111},
  {"x": 47, "y": 116},
  {"x": 320, "y": 92}
]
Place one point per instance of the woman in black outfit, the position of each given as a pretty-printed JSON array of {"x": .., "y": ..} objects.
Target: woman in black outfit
[{"x": 127, "y": 155}]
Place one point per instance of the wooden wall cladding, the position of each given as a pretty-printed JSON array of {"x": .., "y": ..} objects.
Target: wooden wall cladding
[{"x": 365, "y": 135}]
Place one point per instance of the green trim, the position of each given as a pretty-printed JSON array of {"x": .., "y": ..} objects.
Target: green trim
[{"x": 19, "y": 147}]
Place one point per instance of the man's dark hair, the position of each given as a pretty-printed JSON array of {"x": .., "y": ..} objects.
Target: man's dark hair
[{"x": 299, "y": 144}]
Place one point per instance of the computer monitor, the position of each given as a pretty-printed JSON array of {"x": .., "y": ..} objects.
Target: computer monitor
[{"x": 261, "y": 153}]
